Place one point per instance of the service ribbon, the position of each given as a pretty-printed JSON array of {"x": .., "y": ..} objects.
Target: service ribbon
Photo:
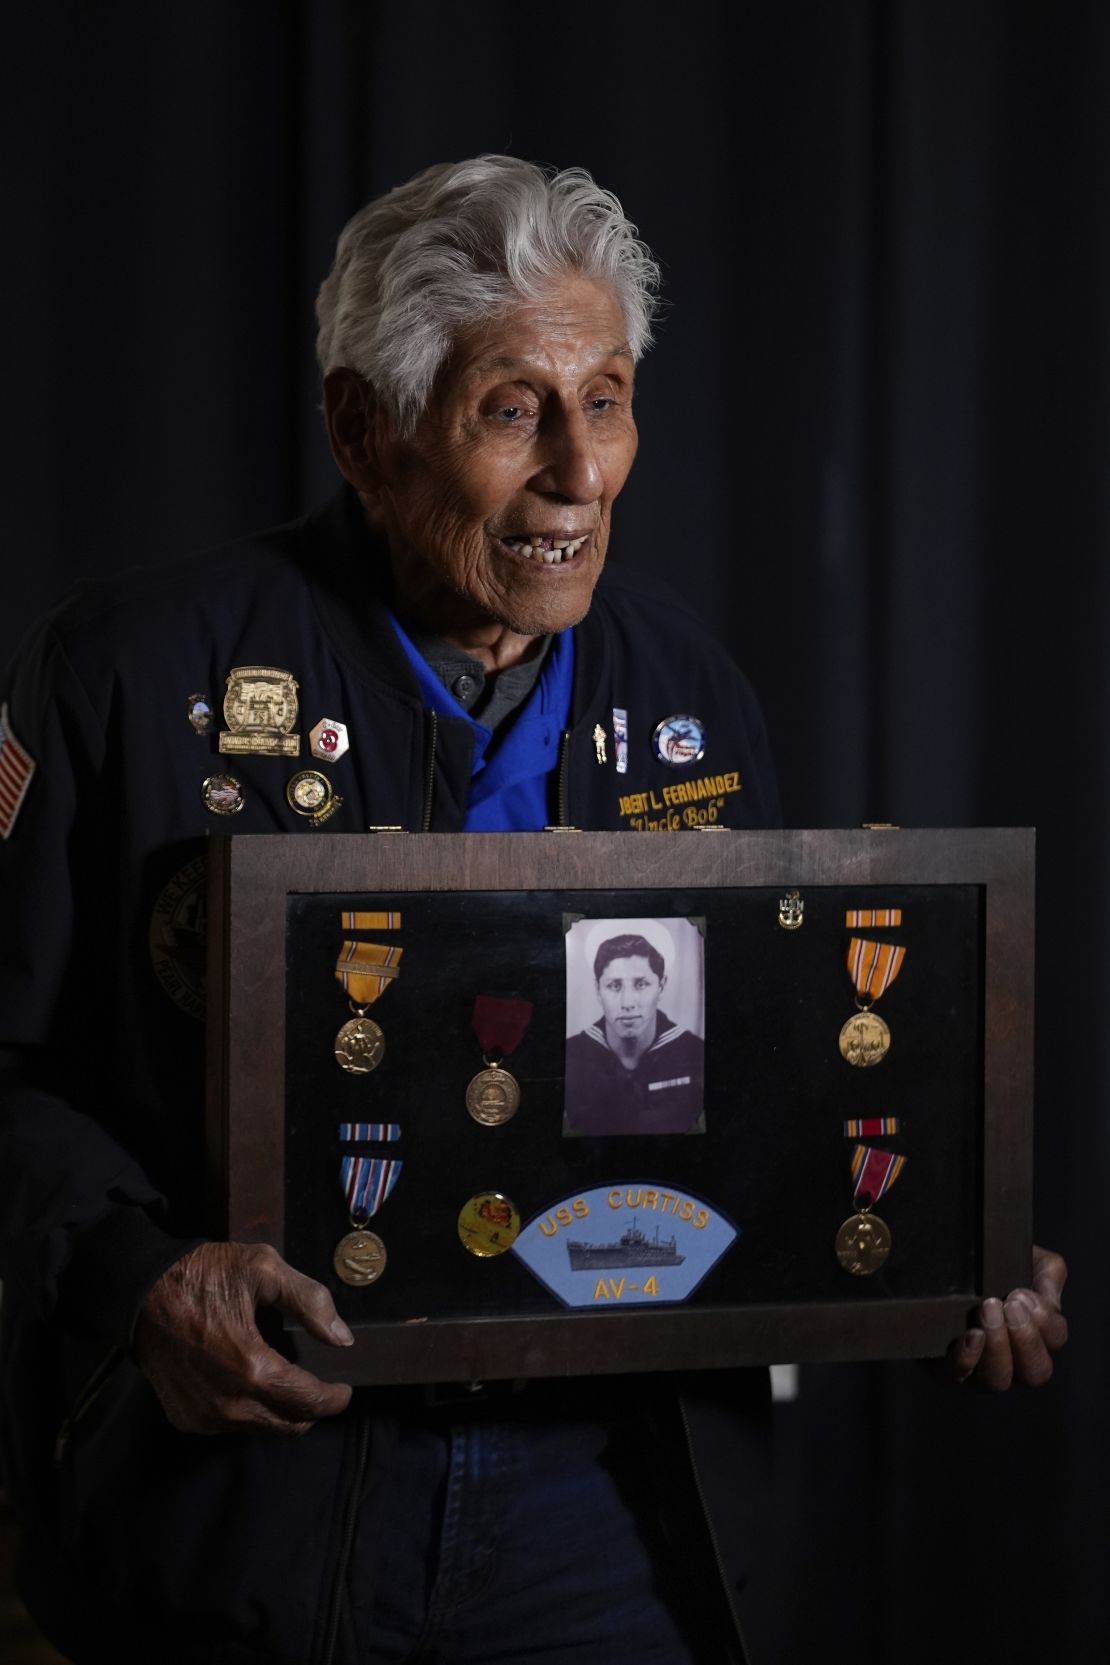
[
  {"x": 367, "y": 1182},
  {"x": 876, "y": 918},
  {"x": 873, "y": 966},
  {"x": 370, "y": 921},
  {"x": 366, "y": 969},
  {"x": 872, "y": 1127},
  {"x": 500, "y": 1023},
  {"x": 369, "y": 1133},
  {"x": 874, "y": 1172}
]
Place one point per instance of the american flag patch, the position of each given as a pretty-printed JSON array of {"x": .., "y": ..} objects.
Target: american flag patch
[{"x": 16, "y": 768}]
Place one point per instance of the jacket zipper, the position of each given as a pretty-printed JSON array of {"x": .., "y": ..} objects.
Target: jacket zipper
[
  {"x": 726, "y": 1588},
  {"x": 430, "y": 772},
  {"x": 347, "y": 1522},
  {"x": 562, "y": 818},
  {"x": 85, "y": 1399}
]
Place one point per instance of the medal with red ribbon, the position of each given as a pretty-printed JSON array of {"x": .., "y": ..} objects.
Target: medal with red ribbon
[
  {"x": 863, "y": 1241},
  {"x": 872, "y": 1127},
  {"x": 500, "y": 1023},
  {"x": 872, "y": 966}
]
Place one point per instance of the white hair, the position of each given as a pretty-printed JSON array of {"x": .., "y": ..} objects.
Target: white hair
[{"x": 455, "y": 246}]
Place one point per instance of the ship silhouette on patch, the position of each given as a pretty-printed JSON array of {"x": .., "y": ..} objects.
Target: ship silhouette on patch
[{"x": 633, "y": 1248}]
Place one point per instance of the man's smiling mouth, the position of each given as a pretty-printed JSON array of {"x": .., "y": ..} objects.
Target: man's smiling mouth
[{"x": 546, "y": 549}]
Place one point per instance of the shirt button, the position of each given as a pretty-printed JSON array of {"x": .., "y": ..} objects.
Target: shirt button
[{"x": 464, "y": 687}]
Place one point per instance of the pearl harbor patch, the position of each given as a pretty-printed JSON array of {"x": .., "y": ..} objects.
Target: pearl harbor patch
[
  {"x": 17, "y": 767},
  {"x": 624, "y": 1245},
  {"x": 177, "y": 940}
]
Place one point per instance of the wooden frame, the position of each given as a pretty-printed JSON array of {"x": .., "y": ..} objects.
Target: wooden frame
[{"x": 251, "y": 882}]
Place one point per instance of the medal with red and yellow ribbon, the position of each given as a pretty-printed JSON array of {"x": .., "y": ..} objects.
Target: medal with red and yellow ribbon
[
  {"x": 365, "y": 970},
  {"x": 500, "y": 1023},
  {"x": 872, "y": 966},
  {"x": 863, "y": 1241}
]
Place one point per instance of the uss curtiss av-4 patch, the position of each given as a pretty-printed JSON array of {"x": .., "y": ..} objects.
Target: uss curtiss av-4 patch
[
  {"x": 624, "y": 1245},
  {"x": 17, "y": 767}
]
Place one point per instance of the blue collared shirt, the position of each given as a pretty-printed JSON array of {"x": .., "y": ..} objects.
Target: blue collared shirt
[{"x": 510, "y": 791}]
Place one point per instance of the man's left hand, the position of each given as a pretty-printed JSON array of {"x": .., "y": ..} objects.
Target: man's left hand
[{"x": 1014, "y": 1340}]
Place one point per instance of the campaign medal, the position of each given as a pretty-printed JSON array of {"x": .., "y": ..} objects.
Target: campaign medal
[
  {"x": 359, "y": 1258},
  {"x": 200, "y": 713},
  {"x": 493, "y": 1096},
  {"x": 367, "y": 1183},
  {"x": 260, "y": 710},
  {"x": 679, "y": 740},
  {"x": 328, "y": 740},
  {"x": 872, "y": 1127},
  {"x": 872, "y": 966},
  {"x": 222, "y": 794},
  {"x": 488, "y": 1224},
  {"x": 874, "y": 919},
  {"x": 863, "y": 1241},
  {"x": 365, "y": 970},
  {"x": 312, "y": 795}
]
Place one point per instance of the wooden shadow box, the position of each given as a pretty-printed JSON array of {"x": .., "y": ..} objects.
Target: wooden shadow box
[{"x": 770, "y": 1166}]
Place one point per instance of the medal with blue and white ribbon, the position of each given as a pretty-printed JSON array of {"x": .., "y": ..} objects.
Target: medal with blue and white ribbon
[
  {"x": 863, "y": 1241},
  {"x": 367, "y": 1182}
]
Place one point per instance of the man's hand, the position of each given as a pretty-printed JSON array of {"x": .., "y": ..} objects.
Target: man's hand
[
  {"x": 1017, "y": 1337},
  {"x": 197, "y": 1343}
]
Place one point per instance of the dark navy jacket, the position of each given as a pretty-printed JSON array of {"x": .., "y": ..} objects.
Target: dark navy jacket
[{"x": 101, "y": 892}]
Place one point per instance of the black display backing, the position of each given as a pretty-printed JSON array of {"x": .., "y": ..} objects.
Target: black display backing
[{"x": 773, "y": 1158}]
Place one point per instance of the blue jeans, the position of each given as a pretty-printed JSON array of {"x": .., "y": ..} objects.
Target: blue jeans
[{"x": 501, "y": 1539}]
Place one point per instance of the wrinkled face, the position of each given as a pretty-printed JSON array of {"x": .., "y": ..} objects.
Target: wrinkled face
[
  {"x": 498, "y": 507},
  {"x": 629, "y": 993}
]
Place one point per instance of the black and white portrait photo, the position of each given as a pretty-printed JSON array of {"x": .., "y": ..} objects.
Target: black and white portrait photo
[{"x": 635, "y": 1058}]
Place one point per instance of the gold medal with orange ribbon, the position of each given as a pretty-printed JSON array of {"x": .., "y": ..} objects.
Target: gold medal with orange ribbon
[
  {"x": 365, "y": 970},
  {"x": 872, "y": 966}
]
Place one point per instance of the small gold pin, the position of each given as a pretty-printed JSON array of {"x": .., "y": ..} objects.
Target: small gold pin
[
  {"x": 791, "y": 910},
  {"x": 599, "y": 742}
]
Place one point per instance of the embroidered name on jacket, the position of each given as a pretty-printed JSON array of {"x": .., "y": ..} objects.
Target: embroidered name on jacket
[{"x": 685, "y": 803}]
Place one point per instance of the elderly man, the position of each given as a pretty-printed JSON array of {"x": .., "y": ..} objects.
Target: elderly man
[{"x": 447, "y": 630}]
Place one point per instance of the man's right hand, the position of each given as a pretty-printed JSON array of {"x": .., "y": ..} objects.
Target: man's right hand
[{"x": 197, "y": 1343}]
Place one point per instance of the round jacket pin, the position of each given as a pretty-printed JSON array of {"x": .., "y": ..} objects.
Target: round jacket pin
[
  {"x": 679, "y": 740},
  {"x": 310, "y": 793},
  {"x": 222, "y": 794}
]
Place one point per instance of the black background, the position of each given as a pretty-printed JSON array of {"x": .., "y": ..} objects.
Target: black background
[{"x": 874, "y": 443}]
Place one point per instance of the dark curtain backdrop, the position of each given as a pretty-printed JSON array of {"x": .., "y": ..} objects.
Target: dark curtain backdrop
[{"x": 874, "y": 451}]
